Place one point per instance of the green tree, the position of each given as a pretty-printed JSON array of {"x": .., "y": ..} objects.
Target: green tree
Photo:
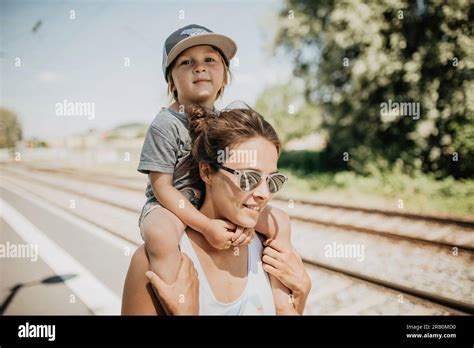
[
  {"x": 285, "y": 109},
  {"x": 10, "y": 129},
  {"x": 356, "y": 55}
]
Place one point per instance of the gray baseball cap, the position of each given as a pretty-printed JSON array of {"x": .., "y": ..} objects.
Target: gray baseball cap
[{"x": 194, "y": 35}]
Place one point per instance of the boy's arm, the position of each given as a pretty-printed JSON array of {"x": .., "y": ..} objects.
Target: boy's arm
[{"x": 176, "y": 202}]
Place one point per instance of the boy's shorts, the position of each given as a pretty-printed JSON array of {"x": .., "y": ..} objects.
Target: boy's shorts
[{"x": 192, "y": 194}]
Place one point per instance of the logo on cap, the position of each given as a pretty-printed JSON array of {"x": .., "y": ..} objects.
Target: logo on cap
[{"x": 193, "y": 31}]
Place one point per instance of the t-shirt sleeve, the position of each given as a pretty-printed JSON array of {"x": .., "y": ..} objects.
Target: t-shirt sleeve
[{"x": 159, "y": 152}]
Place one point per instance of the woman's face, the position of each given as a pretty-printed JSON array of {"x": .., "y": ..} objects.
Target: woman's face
[
  {"x": 198, "y": 74},
  {"x": 227, "y": 199}
]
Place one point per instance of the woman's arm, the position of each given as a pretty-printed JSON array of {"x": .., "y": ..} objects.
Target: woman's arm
[
  {"x": 282, "y": 297},
  {"x": 275, "y": 224},
  {"x": 287, "y": 266}
]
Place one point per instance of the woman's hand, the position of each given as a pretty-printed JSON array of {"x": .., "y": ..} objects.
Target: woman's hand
[
  {"x": 181, "y": 297},
  {"x": 286, "y": 265}
]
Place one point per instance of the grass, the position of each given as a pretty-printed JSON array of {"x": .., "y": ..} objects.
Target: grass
[{"x": 394, "y": 190}]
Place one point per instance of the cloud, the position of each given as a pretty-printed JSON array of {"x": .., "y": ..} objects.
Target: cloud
[{"x": 49, "y": 76}]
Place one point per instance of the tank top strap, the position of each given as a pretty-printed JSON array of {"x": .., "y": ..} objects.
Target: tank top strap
[{"x": 187, "y": 248}]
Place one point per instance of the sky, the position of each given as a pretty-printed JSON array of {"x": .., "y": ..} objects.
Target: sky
[{"x": 79, "y": 51}]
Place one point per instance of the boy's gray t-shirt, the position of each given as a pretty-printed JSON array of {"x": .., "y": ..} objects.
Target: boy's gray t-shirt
[{"x": 167, "y": 149}]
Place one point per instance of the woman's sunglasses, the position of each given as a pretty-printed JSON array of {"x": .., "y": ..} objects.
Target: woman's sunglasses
[{"x": 249, "y": 179}]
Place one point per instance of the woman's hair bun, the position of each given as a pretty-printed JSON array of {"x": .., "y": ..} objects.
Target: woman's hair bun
[{"x": 198, "y": 119}]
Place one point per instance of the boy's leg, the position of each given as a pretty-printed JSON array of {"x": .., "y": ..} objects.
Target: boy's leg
[{"x": 162, "y": 231}]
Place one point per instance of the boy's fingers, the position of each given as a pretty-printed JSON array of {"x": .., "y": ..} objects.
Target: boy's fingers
[
  {"x": 238, "y": 232},
  {"x": 229, "y": 236},
  {"x": 240, "y": 240},
  {"x": 229, "y": 225},
  {"x": 250, "y": 233},
  {"x": 226, "y": 243}
]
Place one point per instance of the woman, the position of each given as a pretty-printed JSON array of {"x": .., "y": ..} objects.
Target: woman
[{"x": 231, "y": 281}]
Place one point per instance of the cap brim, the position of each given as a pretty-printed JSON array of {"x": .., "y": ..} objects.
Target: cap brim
[{"x": 224, "y": 43}]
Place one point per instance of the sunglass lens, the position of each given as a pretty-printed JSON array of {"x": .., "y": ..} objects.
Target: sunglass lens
[
  {"x": 276, "y": 183},
  {"x": 249, "y": 181}
]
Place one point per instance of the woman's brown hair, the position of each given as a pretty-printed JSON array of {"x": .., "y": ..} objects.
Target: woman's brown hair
[{"x": 212, "y": 132}]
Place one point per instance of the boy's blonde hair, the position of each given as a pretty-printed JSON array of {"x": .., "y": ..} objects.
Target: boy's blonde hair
[{"x": 172, "y": 89}]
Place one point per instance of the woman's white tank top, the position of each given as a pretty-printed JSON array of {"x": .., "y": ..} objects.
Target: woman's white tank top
[{"x": 257, "y": 297}]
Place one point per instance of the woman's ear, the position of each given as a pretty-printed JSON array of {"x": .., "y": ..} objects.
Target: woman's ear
[{"x": 205, "y": 172}]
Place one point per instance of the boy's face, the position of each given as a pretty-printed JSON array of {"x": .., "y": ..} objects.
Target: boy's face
[{"x": 198, "y": 74}]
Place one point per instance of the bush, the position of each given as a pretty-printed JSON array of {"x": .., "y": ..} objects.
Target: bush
[{"x": 307, "y": 162}]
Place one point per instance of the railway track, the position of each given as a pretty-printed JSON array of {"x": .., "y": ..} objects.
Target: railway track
[{"x": 441, "y": 303}]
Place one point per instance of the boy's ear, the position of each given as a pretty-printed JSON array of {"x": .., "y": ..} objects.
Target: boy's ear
[{"x": 205, "y": 172}]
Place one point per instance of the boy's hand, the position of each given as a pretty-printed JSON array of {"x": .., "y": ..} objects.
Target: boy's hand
[
  {"x": 217, "y": 233},
  {"x": 243, "y": 236}
]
